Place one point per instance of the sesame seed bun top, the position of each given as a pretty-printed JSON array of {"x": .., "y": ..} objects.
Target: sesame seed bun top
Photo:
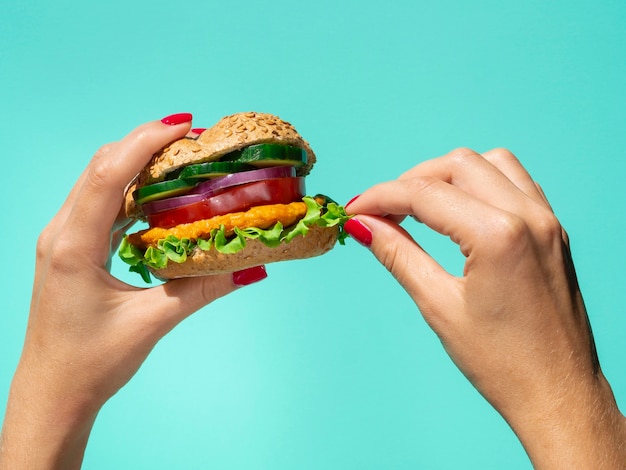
[{"x": 229, "y": 134}]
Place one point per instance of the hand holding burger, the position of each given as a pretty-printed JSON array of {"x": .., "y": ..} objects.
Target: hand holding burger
[{"x": 88, "y": 332}]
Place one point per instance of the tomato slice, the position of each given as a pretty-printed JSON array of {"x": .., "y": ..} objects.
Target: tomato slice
[{"x": 234, "y": 199}]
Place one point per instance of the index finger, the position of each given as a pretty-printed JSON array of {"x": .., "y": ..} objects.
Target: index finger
[
  {"x": 98, "y": 201},
  {"x": 468, "y": 221},
  {"x": 491, "y": 178}
]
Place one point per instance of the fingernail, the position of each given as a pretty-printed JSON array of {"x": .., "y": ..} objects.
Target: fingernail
[
  {"x": 357, "y": 230},
  {"x": 175, "y": 119},
  {"x": 198, "y": 130},
  {"x": 352, "y": 200},
  {"x": 249, "y": 276}
]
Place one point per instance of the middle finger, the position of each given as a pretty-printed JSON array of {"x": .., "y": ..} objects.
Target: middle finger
[{"x": 476, "y": 176}]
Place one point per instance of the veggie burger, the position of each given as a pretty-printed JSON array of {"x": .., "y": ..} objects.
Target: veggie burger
[{"x": 230, "y": 198}]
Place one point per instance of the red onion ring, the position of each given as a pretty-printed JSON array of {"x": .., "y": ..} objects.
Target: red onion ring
[
  {"x": 215, "y": 186},
  {"x": 243, "y": 177}
]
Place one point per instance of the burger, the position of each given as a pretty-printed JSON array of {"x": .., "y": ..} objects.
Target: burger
[{"x": 230, "y": 197}]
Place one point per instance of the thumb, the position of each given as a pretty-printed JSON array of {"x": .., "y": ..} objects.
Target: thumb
[
  {"x": 172, "y": 302},
  {"x": 428, "y": 284}
]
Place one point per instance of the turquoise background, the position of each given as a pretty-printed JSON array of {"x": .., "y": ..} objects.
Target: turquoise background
[{"x": 327, "y": 364}]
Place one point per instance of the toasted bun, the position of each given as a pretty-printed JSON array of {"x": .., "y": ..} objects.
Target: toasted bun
[
  {"x": 201, "y": 263},
  {"x": 229, "y": 134}
]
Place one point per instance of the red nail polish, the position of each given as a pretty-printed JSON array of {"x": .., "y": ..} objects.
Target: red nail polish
[
  {"x": 176, "y": 119},
  {"x": 357, "y": 230},
  {"x": 249, "y": 276},
  {"x": 352, "y": 200},
  {"x": 198, "y": 130}
]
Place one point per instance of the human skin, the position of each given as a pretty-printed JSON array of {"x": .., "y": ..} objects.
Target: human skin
[
  {"x": 88, "y": 332},
  {"x": 514, "y": 322}
]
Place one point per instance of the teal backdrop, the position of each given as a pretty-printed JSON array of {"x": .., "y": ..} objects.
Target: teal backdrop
[{"x": 327, "y": 364}]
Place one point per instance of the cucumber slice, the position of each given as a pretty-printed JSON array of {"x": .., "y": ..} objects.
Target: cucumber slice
[
  {"x": 267, "y": 155},
  {"x": 163, "y": 189},
  {"x": 213, "y": 169}
]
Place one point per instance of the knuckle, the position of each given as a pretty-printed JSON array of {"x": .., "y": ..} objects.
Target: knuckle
[
  {"x": 44, "y": 244},
  {"x": 508, "y": 233},
  {"x": 548, "y": 227},
  {"x": 461, "y": 156},
  {"x": 57, "y": 250},
  {"x": 207, "y": 292},
  {"x": 420, "y": 184},
  {"x": 101, "y": 168},
  {"x": 104, "y": 151},
  {"x": 389, "y": 257},
  {"x": 392, "y": 257},
  {"x": 500, "y": 154},
  {"x": 565, "y": 237},
  {"x": 141, "y": 137},
  {"x": 211, "y": 288}
]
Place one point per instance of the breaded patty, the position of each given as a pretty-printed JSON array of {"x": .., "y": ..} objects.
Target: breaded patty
[{"x": 262, "y": 217}]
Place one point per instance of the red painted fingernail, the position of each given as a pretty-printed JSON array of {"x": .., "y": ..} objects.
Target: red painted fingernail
[
  {"x": 198, "y": 130},
  {"x": 357, "y": 230},
  {"x": 175, "y": 119},
  {"x": 352, "y": 200},
  {"x": 249, "y": 276}
]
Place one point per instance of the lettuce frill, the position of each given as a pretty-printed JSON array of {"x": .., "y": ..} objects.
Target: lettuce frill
[{"x": 172, "y": 249}]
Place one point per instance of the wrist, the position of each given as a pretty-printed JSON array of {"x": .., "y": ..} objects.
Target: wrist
[
  {"x": 43, "y": 428},
  {"x": 578, "y": 427}
]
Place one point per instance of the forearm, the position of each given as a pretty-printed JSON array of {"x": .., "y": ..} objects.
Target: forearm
[
  {"x": 42, "y": 430},
  {"x": 579, "y": 429}
]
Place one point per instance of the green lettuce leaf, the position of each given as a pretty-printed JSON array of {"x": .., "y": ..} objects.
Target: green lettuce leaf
[
  {"x": 226, "y": 246},
  {"x": 171, "y": 249},
  {"x": 175, "y": 249},
  {"x": 270, "y": 237}
]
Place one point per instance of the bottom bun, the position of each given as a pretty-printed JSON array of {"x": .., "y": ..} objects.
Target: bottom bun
[{"x": 317, "y": 241}]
